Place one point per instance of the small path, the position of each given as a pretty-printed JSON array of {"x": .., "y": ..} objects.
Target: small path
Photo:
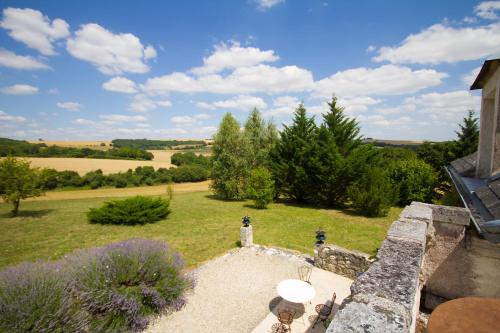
[
  {"x": 123, "y": 192},
  {"x": 237, "y": 293}
]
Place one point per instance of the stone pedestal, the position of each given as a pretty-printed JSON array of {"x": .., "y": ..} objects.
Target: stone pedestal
[{"x": 246, "y": 236}]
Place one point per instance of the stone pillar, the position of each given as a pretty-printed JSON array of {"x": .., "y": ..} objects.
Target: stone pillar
[
  {"x": 246, "y": 236},
  {"x": 487, "y": 140}
]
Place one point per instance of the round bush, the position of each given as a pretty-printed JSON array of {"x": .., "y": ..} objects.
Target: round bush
[
  {"x": 189, "y": 173},
  {"x": 136, "y": 210},
  {"x": 122, "y": 284},
  {"x": 414, "y": 178},
  {"x": 34, "y": 297}
]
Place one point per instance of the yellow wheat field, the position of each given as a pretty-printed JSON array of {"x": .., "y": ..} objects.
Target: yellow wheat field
[{"x": 84, "y": 165}]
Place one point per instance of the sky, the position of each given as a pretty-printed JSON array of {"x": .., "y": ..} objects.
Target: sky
[{"x": 95, "y": 70}]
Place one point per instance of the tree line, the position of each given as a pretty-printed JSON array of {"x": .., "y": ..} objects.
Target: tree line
[
  {"x": 327, "y": 165},
  {"x": 9, "y": 147},
  {"x": 155, "y": 144}
]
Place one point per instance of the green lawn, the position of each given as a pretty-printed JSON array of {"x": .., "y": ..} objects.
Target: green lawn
[{"x": 199, "y": 227}]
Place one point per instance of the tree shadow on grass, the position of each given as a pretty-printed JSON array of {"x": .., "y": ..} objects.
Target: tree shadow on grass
[
  {"x": 252, "y": 206},
  {"x": 214, "y": 197},
  {"x": 28, "y": 213}
]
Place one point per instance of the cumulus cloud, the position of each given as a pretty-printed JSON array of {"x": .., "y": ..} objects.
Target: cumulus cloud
[
  {"x": 241, "y": 102},
  {"x": 385, "y": 80},
  {"x": 70, "y": 106},
  {"x": 143, "y": 103},
  {"x": 120, "y": 118},
  {"x": 266, "y": 4},
  {"x": 111, "y": 53},
  {"x": 120, "y": 84},
  {"x": 469, "y": 78},
  {"x": 233, "y": 56},
  {"x": 20, "y": 89},
  {"x": 12, "y": 60},
  {"x": 487, "y": 10},
  {"x": 442, "y": 43},
  {"x": 32, "y": 28},
  {"x": 243, "y": 80},
  {"x": 189, "y": 120},
  {"x": 5, "y": 117}
]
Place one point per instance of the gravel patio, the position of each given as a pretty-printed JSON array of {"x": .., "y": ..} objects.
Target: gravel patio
[{"x": 236, "y": 292}]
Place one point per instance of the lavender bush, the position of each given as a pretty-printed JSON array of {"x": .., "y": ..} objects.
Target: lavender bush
[
  {"x": 123, "y": 284},
  {"x": 115, "y": 288},
  {"x": 34, "y": 297}
]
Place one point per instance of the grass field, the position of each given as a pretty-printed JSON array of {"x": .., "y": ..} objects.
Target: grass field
[{"x": 200, "y": 227}]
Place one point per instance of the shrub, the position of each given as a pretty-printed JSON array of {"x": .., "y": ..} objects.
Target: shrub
[
  {"x": 415, "y": 180},
  {"x": 373, "y": 194},
  {"x": 136, "y": 210},
  {"x": 34, "y": 297},
  {"x": 189, "y": 173},
  {"x": 261, "y": 187},
  {"x": 121, "y": 284}
]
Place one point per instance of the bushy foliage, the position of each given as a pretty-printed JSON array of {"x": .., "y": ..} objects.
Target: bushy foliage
[
  {"x": 18, "y": 181},
  {"x": 190, "y": 158},
  {"x": 121, "y": 284},
  {"x": 415, "y": 180},
  {"x": 261, "y": 137},
  {"x": 261, "y": 187},
  {"x": 373, "y": 194},
  {"x": 189, "y": 173},
  {"x": 130, "y": 211},
  {"x": 155, "y": 144},
  {"x": 115, "y": 288},
  {"x": 35, "y": 297}
]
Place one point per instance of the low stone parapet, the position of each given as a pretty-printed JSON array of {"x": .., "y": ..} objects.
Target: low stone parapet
[{"x": 341, "y": 261}]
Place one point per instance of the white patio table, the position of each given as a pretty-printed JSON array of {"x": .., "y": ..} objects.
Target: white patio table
[{"x": 296, "y": 291}]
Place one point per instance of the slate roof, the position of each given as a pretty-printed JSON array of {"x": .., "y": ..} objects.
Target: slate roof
[
  {"x": 481, "y": 196},
  {"x": 487, "y": 70}
]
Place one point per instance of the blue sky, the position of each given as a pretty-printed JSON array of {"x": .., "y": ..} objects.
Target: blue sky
[{"x": 85, "y": 70}]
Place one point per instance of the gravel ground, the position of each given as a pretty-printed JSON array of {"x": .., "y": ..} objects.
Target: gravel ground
[{"x": 233, "y": 292}]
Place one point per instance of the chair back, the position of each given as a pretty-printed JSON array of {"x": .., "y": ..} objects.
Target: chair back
[
  {"x": 334, "y": 296},
  {"x": 305, "y": 273},
  {"x": 285, "y": 316}
]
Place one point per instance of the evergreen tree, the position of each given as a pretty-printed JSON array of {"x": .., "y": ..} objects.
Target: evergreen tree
[
  {"x": 468, "y": 136},
  {"x": 291, "y": 158},
  {"x": 345, "y": 130},
  {"x": 230, "y": 167}
]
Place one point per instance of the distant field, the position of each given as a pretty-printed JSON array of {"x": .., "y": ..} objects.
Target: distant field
[{"x": 77, "y": 144}]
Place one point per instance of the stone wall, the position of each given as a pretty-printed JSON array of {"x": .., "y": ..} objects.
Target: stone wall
[
  {"x": 429, "y": 247},
  {"x": 341, "y": 261},
  {"x": 386, "y": 297}
]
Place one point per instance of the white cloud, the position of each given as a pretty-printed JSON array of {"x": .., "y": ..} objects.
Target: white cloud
[
  {"x": 189, "y": 120},
  {"x": 233, "y": 56},
  {"x": 110, "y": 53},
  {"x": 487, "y": 10},
  {"x": 385, "y": 80},
  {"x": 32, "y": 28},
  {"x": 81, "y": 121},
  {"x": 469, "y": 78},
  {"x": 241, "y": 102},
  {"x": 12, "y": 60},
  {"x": 266, "y": 4},
  {"x": 283, "y": 106},
  {"x": 243, "y": 80},
  {"x": 120, "y": 84},
  {"x": 70, "y": 106},
  {"x": 53, "y": 91},
  {"x": 448, "y": 105},
  {"x": 20, "y": 89},
  {"x": 143, "y": 103},
  {"x": 379, "y": 120},
  {"x": 10, "y": 118},
  {"x": 120, "y": 118},
  {"x": 441, "y": 43}
]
